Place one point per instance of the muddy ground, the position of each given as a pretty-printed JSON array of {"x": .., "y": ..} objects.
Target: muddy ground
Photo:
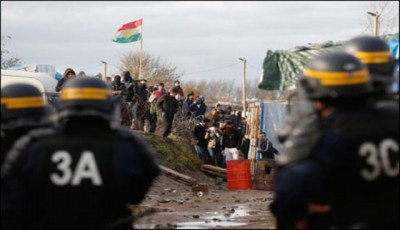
[{"x": 178, "y": 207}]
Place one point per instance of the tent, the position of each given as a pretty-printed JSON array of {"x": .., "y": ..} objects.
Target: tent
[
  {"x": 38, "y": 68},
  {"x": 14, "y": 76},
  {"x": 281, "y": 67}
]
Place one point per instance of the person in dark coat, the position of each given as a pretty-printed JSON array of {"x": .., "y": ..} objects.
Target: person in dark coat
[
  {"x": 169, "y": 106},
  {"x": 198, "y": 108},
  {"x": 231, "y": 142},
  {"x": 265, "y": 148},
  {"x": 199, "y": 140},
  {"x": 68, "y": 75}
]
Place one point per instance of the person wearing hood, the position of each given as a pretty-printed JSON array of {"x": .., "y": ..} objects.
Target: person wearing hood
[{"x": 68, "y": 74}]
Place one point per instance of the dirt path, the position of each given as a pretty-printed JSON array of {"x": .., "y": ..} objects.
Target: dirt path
[{"x": 179, "y": 208}]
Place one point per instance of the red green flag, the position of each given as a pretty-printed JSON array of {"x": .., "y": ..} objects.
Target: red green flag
[{"x": 129, "y": 32}]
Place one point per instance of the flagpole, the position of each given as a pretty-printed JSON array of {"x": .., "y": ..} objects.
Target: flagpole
[{"x": 141, "y": 53}]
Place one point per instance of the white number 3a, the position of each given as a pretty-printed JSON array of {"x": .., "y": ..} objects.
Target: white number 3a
[
  {"x": 86, "y": 168},
  {"x": 379, "y": 159}
]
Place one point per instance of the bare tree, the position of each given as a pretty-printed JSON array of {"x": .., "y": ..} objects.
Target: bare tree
[
  {"x": 154, "y": 70},
  {"x": 228, "y": 91},
  {"x": 7, "y": 60},
  {"x": 388, "y": 19}
]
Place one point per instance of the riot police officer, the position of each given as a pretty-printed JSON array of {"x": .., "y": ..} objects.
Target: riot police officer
[
  {"x": 23, "y": 108},
  {"x": 349, "y": 177},
  {"x": 83, "y": 174},
  {"x": 375, "y": 54}
]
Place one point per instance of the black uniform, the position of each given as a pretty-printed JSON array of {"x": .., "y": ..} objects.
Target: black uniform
[
  {"x": 169, "y": 106},
  {"x": 348, "y": 175},
  {"x": 80, "y": 176},
  {"x": 353, "y": 168}
]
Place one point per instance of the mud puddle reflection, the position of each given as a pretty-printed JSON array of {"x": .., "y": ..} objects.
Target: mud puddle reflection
[{"x": 224, "y": 218}]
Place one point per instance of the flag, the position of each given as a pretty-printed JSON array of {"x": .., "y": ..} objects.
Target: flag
[{"x": 130, "y": 32}]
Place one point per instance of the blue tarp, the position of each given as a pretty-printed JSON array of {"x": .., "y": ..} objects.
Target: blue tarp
[
  {"x": 394, "y": 49},
  {"x": 272, "y": 118}
]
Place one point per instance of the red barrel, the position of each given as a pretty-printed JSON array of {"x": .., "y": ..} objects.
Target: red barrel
[{"x": 238, "y": 174}]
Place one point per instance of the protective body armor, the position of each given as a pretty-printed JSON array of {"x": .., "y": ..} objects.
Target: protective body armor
[
  {"x": 353, "y": 165},
  {"x": 302, "y": 133},
  {"x": 363, "y": 171},
  {"x": 74, "y": 179},
  {"x": 23, "y": 108}
]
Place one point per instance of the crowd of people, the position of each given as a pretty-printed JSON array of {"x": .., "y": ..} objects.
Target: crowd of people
[
  {"x": 71, "y": 166},
  {"x": 216, "y": 139}
]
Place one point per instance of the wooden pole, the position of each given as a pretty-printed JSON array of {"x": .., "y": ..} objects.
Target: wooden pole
[
  {"x": 376, "y": 24},
  {"x": 105, "y": 70},
  {"x": 244, "y": 84},
  {"x": 141, "y": 54},
  {"x": 217, "y": 174},
  {"x": 167, "y": 171},
  {"x": 213, "y": 168}
]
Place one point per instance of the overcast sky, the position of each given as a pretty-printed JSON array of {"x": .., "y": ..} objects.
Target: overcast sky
[{"x": 203, "y": 39}]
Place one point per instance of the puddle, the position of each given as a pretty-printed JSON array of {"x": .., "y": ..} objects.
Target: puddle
[
  {"x": 205, "y": 225},
  {"x": 223, "y": 218}
]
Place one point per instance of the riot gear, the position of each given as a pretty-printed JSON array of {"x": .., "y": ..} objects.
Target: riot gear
[
  {"x": 375, "y": 54},
  {"x": 334, "y": 76},
  {"x": 23, "y": 105},
  {"x": 337, "y": 169},
  {"x": 86, "y": 166},
  {"x": 86, "y": 97}
]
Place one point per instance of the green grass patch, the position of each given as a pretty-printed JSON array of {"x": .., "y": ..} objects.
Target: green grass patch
[{"x": 173, "y": 154}]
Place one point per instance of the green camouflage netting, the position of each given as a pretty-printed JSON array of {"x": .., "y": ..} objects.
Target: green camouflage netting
[{"x": 280, "y": 68}]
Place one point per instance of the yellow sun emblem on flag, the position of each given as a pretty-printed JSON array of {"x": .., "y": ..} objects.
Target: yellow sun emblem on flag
[{"x": 127, "y": 33}]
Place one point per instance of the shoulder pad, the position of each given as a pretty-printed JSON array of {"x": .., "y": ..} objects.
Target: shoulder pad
[
  {"x": 16, "y": 151},
  {"x": 300, "y": 141}
]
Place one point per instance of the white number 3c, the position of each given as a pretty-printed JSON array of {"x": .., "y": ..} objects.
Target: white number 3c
[{"x": 379, "y": 159}]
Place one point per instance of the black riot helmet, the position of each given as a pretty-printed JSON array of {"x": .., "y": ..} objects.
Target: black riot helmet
[
  {"x": 333, "y": 76},
  {"x": 23, "y": 105},
  {"x": 375, "y": 54},
  {"x": 86, "y": 97}
]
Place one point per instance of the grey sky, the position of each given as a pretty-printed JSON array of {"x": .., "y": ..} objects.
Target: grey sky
[{"x": 197, "y": 37}]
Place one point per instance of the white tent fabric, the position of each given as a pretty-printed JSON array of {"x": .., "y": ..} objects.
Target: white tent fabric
[
  {"x": 49, "y": 83},
  {"x": 39, "y": 68}
]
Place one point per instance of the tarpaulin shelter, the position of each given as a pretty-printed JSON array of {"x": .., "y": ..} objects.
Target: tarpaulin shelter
[
  {"x": 38, "y": 68},
  {"x": 280, "y": 71},
  {"x": 281, "y": 67}
]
